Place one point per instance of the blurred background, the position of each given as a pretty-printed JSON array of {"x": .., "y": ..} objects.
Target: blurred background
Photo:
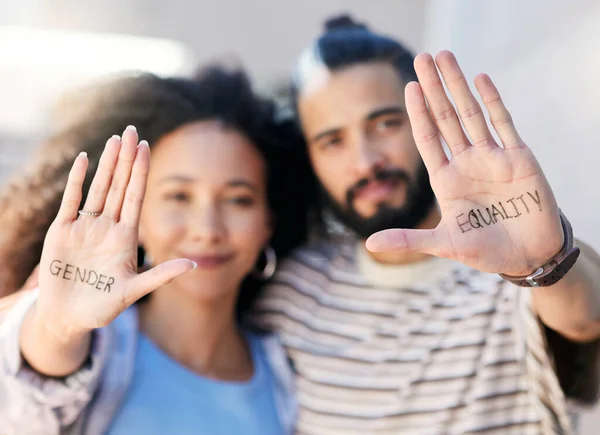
[{"x": 542, "y": 55}]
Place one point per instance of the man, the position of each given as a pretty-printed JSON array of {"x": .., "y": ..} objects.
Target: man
[{"x": 416, "y": 333}]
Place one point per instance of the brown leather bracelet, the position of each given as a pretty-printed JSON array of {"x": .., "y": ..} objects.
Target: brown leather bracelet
[{"x": 554, "y": 270}]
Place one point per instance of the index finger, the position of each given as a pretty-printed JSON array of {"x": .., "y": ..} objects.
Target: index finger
[{"x": 72, "y": 195}]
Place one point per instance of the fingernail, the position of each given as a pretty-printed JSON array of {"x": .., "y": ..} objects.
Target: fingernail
[
  {"x": 195, "y": 264},
  {"x": 83, "y": 154},
  {"x": 116, "y": 136},
  {"x": 143, "y": 143},
  {"x": 131, "y": 127}
]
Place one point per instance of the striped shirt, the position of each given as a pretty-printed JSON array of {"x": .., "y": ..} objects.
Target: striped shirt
[{"x": 427, "y": 348}]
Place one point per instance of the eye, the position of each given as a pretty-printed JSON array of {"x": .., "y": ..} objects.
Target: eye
[
  {"x": 178, "y": 197},
  {"x": 330, "y": 142},
  {"x": 242, "y": 201},
  {"x": 388, "y": 123}
]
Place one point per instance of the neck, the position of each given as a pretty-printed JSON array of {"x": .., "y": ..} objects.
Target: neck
[
  {"x": 432, "y": 219},
  {"x": 202, "y": 335}
]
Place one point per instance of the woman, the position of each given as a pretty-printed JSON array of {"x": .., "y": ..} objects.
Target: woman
[{"x": 181, "y": 361}]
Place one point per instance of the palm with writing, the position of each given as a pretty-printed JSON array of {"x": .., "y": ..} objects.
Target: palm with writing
[
  {"x": 88, "y": 271},
  {"x": 499, "y": 213}
]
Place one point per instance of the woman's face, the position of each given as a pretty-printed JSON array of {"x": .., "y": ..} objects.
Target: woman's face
[{"x": 206, "y": 200}]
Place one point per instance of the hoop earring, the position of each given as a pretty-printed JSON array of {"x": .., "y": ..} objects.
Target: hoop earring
[{"x": 270, "y": 266}]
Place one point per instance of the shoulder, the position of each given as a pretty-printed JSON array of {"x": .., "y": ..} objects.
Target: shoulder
[
  {"x": 315, "y": 255},
  {"x": 299, "y": 279},
  {"x": 307, "y": 271},
  {"x": 319, "y": 263},
  {"x": 280, "y": 366},
  {"x": 270, "y": 348}
]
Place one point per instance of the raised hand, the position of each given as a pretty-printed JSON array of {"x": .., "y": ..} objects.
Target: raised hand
[
  {"x": 499, "y": 213},
  {"x": 88, "y": 271}
]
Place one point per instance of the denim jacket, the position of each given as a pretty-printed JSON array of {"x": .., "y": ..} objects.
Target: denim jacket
[{"x": 85, "y": 402}]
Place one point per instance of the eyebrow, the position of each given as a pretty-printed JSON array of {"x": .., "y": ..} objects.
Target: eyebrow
[
  {"x": 388, "y": 110},
  {"x": 325, "y": 133},
  {"x": 242, "y": 183},
  {"x": 177, "y": 178},
  {"x": 238, "y": 182}
]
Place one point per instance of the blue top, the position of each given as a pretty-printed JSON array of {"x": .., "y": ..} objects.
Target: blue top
[{"x": 167, "y": 398}]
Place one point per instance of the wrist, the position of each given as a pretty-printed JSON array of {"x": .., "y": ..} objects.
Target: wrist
[
  {"x": 556, "y": 267},
  {"x": 47, "y": 351},
  {"x": 53, "y": 331}
]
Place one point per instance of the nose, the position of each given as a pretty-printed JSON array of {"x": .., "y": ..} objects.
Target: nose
[
  {"x": 368, "y": 157},
  {"x": 207, "y": 224}
]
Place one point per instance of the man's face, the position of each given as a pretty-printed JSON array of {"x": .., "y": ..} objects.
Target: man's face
[{"x": 362, "y": 150}]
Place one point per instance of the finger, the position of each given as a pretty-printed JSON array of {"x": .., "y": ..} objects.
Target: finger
[
  {"x": 72, "y": 195},
  {"x": 134, "y": 196},
  {"x": 101, "y": 183},
  {"x": 120, "y": 179},
  {"x": 424, "y": 130},
  {"x": 441, "y": 109},
  {"x": 469, "y": 109},
  {"x": 499, "y": 115},
  {"x": 404, "y": 241},
  {"x": 156, "y": 277}
]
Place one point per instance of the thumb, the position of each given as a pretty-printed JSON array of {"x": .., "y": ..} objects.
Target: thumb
[
  {"x": 404, "y": 241},
  {"x": 156, "y": 277}
]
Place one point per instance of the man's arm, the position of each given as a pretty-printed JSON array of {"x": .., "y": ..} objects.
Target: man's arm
[
  {"x": 570, "y": 311},
  {"x": 576, "y": 365},
  {"x": 571, "y": 307}
]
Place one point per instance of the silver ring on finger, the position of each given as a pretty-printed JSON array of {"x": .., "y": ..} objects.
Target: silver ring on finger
[{"x": 89, "y": 213}]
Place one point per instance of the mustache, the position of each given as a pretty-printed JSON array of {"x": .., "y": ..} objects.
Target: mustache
[{"x": 379, "y": 175}]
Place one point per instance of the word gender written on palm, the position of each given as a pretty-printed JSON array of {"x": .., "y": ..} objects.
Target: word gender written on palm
[{"x": 71, "y": 272}]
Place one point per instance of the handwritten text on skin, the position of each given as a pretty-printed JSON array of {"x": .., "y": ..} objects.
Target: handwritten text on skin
[
  {"x": 510, "y": 209},
  {"x": 90, "y": 277}
]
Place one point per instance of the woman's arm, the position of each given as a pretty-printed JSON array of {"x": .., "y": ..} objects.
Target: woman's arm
[
  {"x": 49, "y": 352},
  {"x": 32, "y": 402}
]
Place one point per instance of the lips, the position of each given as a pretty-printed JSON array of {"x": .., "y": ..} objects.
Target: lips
[
  {"x": 377, "y": 190},
  {"x": 209, "y": 261}
]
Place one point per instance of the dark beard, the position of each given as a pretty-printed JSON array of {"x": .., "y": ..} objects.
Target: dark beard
[{"x": 420, "y": 199}]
